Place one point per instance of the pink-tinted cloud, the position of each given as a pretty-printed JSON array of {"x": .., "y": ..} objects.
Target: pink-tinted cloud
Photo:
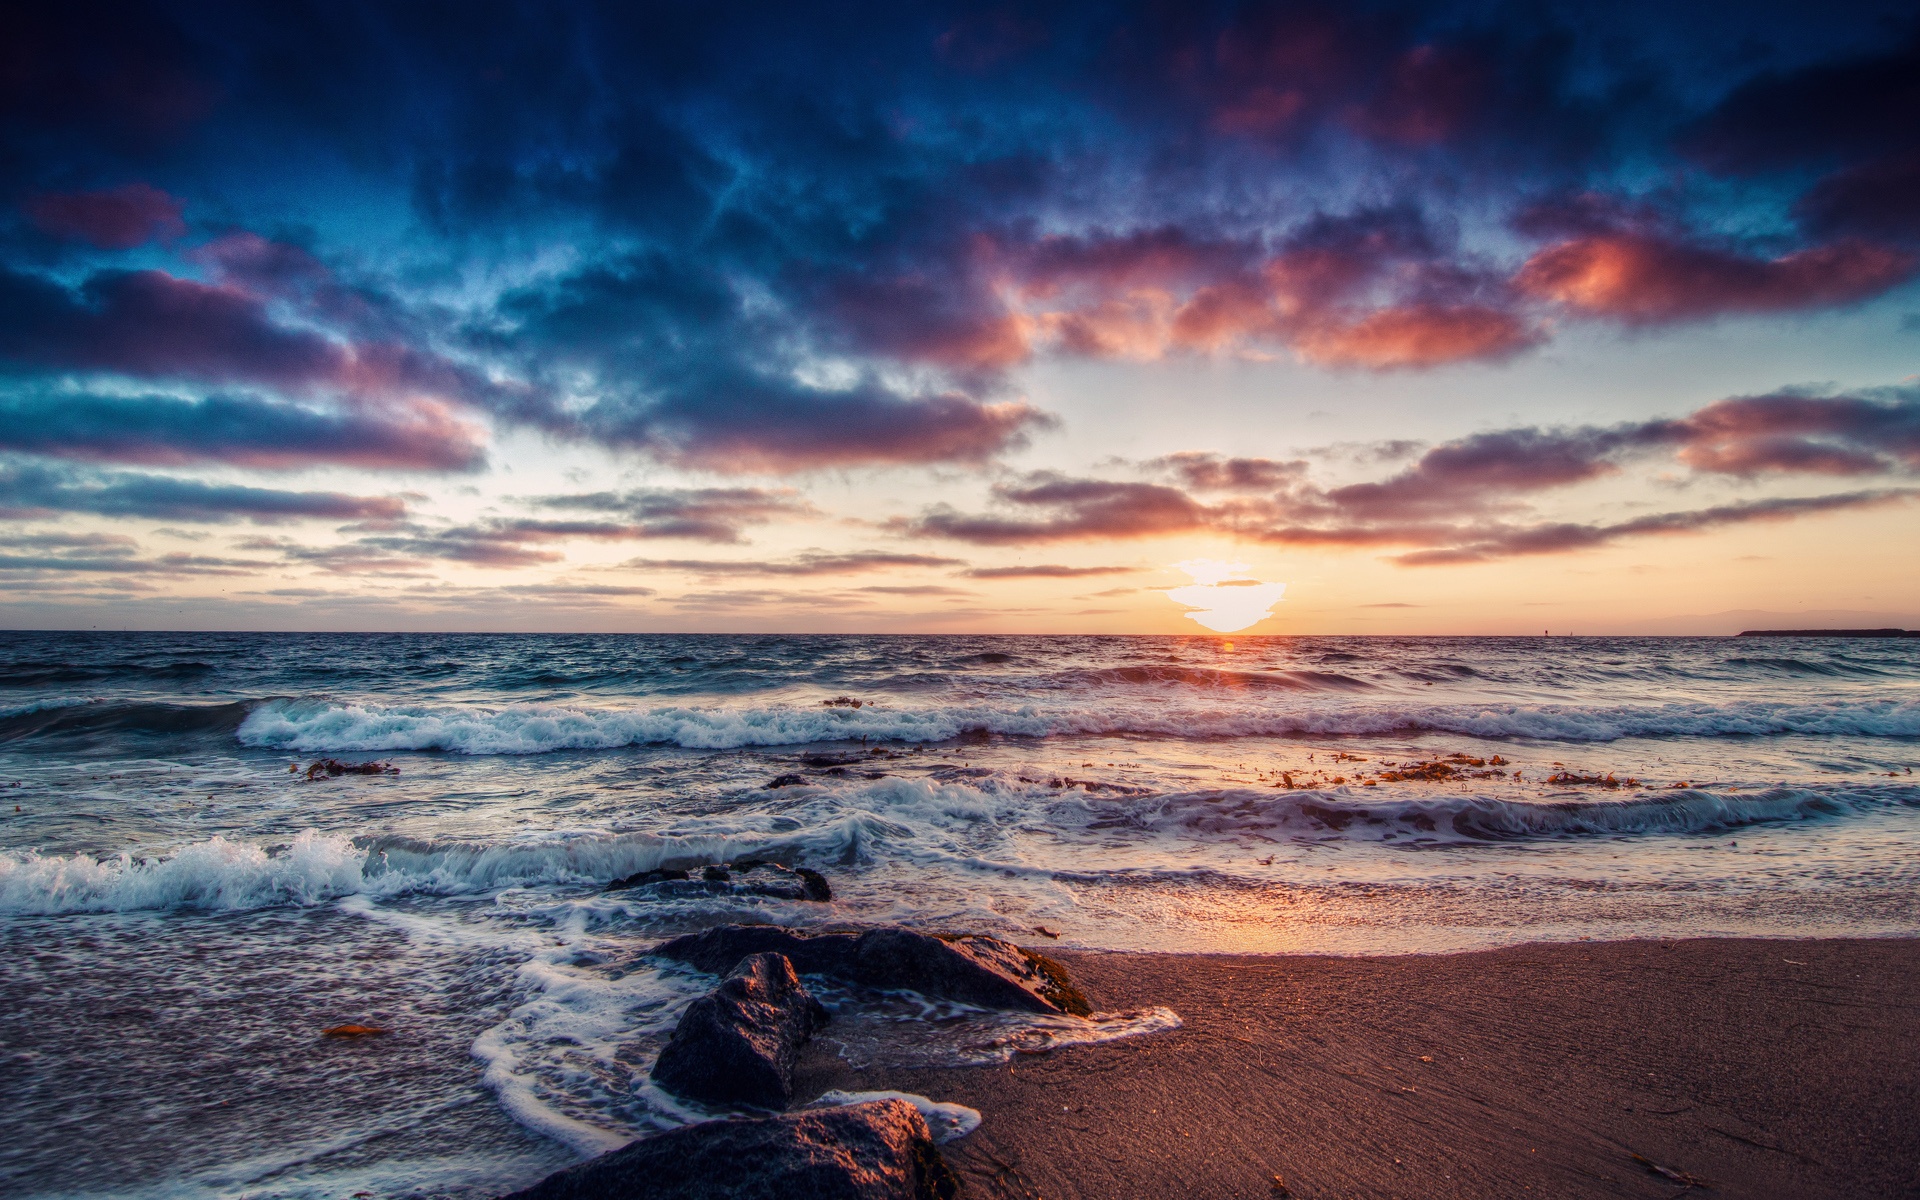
[
  {"x": 111, "y": 219},
  {"x": 1045, "y": 571},
  {"x": 1561, "y": 538},
  {"x": 1420, "y": 335},
  {"x": 1828, "y": 435},
  {"x": 808, "y": 564},
  {"x": 700, "y": 514},
  {"x": 1204, "y": 472},
  {"x": 1373, "y": 290},
  {"x": 1468, "y": 500},
  {"x": 378, "y": 404},
  {"x": 1645, "y": 278},
  {"x": 1076, "y": 509}
]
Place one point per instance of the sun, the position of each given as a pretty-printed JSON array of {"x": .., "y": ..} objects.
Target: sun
[{"x": 1223, "y": 598}]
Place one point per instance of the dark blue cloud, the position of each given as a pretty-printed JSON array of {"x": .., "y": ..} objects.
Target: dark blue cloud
[
  {"x": 29, "y": 489},
  {"x": 777, "y": 238},
  {"x": 245, "y": 429}
]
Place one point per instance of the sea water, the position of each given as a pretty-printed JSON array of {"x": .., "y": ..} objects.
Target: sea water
[{"x": 183, "y": 910}]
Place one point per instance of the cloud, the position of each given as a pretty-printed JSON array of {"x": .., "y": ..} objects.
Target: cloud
[
  {"x": 802, "y": 564},
  {"x": 1467, "y": 500},
  {"x": 707, "y": 514},
  {"x": 924, "y": 589},
  {"x": 834, "y": 245},
  {"x": 1376, "y": 288},
  {"x": 1044, "y": 571},
  {"x": 700, "y": 514},
  {"x": 1642, "y": 279},
  {"x": 1420, "y": 335},
  {"x": 1559, "y": 538},
  {"x": 56, "y": 552},
  {"x": 1208, "y": 472},
  {"x": 1079, "y": 509},
  {"x": 242, "y": 429},
  {"x": 684, "y": 367},
  {"x": 368, "y": 404},
  {"x": 29, "y": 489},
  {"x": 1827, "y": 435},
  {"x": 109, "y": 219}
]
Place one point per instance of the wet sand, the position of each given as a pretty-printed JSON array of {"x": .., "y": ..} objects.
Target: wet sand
[{"x": 1765, "y": 1068}]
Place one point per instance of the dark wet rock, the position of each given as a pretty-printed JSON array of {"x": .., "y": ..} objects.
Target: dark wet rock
[
  {"x": 782, "y": 781},
  {"x": 644, "y": 878},
  {"x": 973, "y": 969},
  {"x": 737, "y": 1044},
  {"x": 733, "y": 879},
  {"x": 876, "y": 1151},
  {"x": 814, "y": 884}
]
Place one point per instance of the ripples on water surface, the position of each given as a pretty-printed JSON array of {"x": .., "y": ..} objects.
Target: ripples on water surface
[{"x": 182, "y": 913}]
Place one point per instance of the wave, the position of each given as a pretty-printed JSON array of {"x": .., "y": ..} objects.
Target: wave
[
  {"x": 214, "y": 874},
  {"x": 316, "y": 868},
  {"x": 1799, "y": 666},
  {"x": 845, "y": 826},
  {"x": 541, "y": 728},
  {"x": 43, "y": 674},
  {"x": 1484, "y": 819},
  {"x": 83, "y": 717},
  {"x": 1204, "y": 677}
]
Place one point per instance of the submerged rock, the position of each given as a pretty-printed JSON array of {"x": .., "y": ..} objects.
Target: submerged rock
[
  {"x": 644, "y": 878},
  {"x": 973, "y": 969},
  {"x": 738, "y": 1043},
  {"x": 876, "y": 1151},
  {"x": 751, "y": 878}
]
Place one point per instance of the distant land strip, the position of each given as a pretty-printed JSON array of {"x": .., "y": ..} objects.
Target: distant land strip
[{"x": 1855, "y": 633}]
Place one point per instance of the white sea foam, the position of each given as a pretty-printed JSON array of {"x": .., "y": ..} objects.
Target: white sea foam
[
  {"x": 963, "y": 825},
  {"x": 215, "y": 874},
  {"x": 540, "y": 728},
  {"x": 947, "y": 1122}
]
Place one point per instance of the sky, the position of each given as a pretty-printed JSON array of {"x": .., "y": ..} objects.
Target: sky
[{"x": 1061, "y": 318}]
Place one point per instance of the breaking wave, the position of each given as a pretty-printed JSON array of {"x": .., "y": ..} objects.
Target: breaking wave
[
  {"x": 843, "y": 825},
  {"x": 1478, "y": 818},
  {"x": 540, "y": 728},
  {"x": 79, "y": 717}
]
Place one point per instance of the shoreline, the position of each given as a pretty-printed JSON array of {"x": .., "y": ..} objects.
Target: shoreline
[{"x": 1764, "y": 1067}]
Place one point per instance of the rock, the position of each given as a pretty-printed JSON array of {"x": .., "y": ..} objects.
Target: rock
[
  {"x": 644, "y": 878},
  {"x": 782, "y": 781},
  {"x": 815, "y": 885},
  {"x": 749, "y": 878},
  {"x": 876, "y": 1151},
  {"x": 738, "y": 1043},
  {"x": 972, "y": 970}
]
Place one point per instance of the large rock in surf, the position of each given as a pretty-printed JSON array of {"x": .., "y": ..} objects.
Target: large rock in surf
[
  {"x": 737, "y": 1044},
  {"x": 974, "y": 969},
  {"x": 875, "y": 1151},
  {"x": 738, "y": 879}
]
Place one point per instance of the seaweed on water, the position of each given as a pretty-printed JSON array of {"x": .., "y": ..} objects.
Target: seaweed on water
[
  {"x": 333, "y": 768},
  {"x": 1606, "y": 781}
]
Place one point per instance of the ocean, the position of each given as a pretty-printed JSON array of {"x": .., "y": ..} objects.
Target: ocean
[{"x": 185, "y": 906}]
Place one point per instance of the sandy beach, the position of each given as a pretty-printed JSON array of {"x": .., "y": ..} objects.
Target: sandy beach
[{"x": 1762, "y": 1068}]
